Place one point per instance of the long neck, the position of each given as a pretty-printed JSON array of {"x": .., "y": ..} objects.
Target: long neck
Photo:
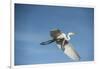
[{"x": 68, "y": 36}]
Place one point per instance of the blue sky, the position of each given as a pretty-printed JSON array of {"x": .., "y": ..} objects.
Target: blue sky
[{"x": 32, "y": 26}]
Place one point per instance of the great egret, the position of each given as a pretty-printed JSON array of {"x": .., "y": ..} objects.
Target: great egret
[{"x": 62, "y": 41}]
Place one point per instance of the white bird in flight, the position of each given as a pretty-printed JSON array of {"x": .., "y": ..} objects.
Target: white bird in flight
[{"x": 62, "y": 41}]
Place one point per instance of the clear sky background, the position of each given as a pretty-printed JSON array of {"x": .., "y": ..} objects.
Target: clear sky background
[{"x": 32, "y": 26}]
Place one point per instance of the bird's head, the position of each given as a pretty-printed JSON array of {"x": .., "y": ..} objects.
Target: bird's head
[{"x": 71, "y": 33}]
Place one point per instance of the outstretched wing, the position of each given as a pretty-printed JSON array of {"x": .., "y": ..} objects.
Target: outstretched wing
[
  {"x": 71, "y": 52},
  {"x": 47, "y": 42}
]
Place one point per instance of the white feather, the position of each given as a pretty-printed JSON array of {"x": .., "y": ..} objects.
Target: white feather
[
  {"x": 71, "y": 53},
  {"x": 68, "y": 49},
  {"x": 70, "y": 34}
]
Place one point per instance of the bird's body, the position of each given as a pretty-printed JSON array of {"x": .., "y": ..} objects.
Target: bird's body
[
  {"x": 67, "y": 47},
  {"x": 63, "y": 44}
]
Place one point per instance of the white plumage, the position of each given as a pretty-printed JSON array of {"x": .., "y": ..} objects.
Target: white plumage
[
  {"x": 68, "y": 49},
  {"x": 71, "y": 53},
  {"x": 63, "y": 44}
]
